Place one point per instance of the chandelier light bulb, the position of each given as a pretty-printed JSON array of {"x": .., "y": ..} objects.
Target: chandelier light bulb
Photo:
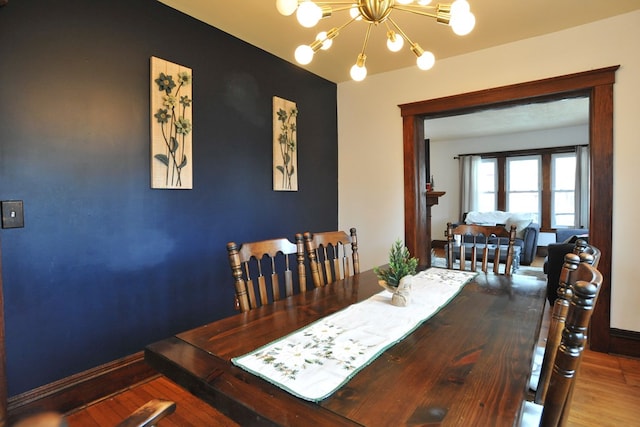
[
  {"x": 460, "y": 7},
  {"x": 304, "y": 54},
  {"x": 354, "y": 12},
  {"x": 394, "y": 41},
  {"x": 358, "y": 73},
  {"x": 404, "y": 1},
  {"x": 463, "y": 24},
  {"x": 426, "y": 61},
  {"x": 308, "y": 14},
  {"x": 326, "y": 42},
  {"x": 424, "y": 2},
  {"x": 286, "y": 7}
]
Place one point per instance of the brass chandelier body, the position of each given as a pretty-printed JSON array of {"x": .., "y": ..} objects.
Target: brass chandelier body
[{"x": 374, "y": 13}]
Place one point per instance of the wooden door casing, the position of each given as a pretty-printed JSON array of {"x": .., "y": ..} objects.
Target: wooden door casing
[{"x": 598, "y": 86}]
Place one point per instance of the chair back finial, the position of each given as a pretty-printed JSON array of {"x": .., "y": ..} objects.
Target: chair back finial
[
  {"x": 588, "y": 253},
  {"x": 302, "y": 273},
  {"x": 241, "y": 296}
]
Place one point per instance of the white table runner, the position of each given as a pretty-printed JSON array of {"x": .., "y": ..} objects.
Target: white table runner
[{"x": 314, "y": 361}]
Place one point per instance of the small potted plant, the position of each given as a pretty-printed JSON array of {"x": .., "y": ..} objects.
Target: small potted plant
[{"x": 401, "y": 264}]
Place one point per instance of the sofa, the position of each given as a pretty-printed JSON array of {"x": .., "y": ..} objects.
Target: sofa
[
  {"x": 565, "y": 241},
  {"x": 527, "y": 231}
]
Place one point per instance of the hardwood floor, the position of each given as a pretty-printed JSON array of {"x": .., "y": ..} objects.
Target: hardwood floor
[
  {"x": 190, "y": 411},
  {"x": 607, "y": 392}
]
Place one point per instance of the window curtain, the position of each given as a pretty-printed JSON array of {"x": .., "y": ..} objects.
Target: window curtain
[
  {"x": 469, "y": 166},
  {"x": 582, "y": 186}
]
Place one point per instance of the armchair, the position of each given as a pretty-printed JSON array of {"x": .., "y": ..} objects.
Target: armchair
[{"x": 565, "y": 242}]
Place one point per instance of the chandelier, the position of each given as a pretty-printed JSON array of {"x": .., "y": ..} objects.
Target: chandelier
[{"x": 375, "y": 12}]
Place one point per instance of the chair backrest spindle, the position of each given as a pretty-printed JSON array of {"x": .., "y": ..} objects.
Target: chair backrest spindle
[
  {"x": 247, "y": 259},
  {"x": 328, "y": 255},
  {"x": 472, "y": 243}
]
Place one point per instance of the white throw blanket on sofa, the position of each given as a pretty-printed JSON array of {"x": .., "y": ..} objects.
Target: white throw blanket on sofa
[{"x": 520, "y": 220}]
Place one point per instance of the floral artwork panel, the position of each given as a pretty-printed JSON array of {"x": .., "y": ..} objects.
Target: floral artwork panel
[
  {"x": 285, "y": 145},
  {"x": 171, "y": 125}
]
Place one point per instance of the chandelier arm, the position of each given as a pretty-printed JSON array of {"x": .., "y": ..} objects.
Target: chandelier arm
[
  {"x": 402, "y": 33},
  {"x": 409, "y": 9},
  {"x": 340, "y": 9},
  {"x": 340, "y": 28},
  {"x": 386, "y": 24},
  {"x": 331, "y": 34},
  {"x": 366, "y": 38}
]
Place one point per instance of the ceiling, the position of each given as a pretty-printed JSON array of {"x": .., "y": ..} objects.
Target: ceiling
[
  {"x": 519, "y": 118},
  {"x": 497, "y": 22}
]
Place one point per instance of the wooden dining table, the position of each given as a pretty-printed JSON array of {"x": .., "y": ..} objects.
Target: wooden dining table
[{"x": 467, "y": 365}]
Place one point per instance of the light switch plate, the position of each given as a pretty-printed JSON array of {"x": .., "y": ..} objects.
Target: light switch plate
[{"x": 12, "y": 214}]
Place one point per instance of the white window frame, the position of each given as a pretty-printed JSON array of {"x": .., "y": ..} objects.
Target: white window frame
[
  {"x": 554, "y": 191},
  {"x": 494, "y": 161},
  {"x": 508, "y": 192}
]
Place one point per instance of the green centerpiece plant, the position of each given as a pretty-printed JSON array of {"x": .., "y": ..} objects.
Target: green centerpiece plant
[{"x": 401, "y": 264}]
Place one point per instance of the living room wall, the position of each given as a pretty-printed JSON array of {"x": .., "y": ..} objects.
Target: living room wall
[
  {"x": 445, "y": 167},
  {"x": 105, "y": 264}
]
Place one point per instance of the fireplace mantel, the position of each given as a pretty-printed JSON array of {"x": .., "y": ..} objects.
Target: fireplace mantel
[{"x": 432, "y": 199}]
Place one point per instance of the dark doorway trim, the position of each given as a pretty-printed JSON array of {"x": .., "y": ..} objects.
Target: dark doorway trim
[{"x": 598, "y": 86}]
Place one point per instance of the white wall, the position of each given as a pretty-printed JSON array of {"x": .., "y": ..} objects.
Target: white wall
[
  {"x": 444, "y": 167},
  {"x": 370, "y": 133}
]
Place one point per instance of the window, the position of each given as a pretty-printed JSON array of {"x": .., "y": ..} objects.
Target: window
[
  {"x": 487, "y": 185},
  {"x": 563, "y": 183},
  {"x": 523, "y": 185},
  {"x": 541, "y": 182}
]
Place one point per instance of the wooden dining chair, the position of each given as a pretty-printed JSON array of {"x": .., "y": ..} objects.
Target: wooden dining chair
[
  {"x": 472, "y": 243},
  {"x": 588, "y": 253},
  {"x": 554, "y": 410},
  {"x": 333, "y": 255},
  {"x": 583, "y": 253},
  {"x": 248, "y": 261}
]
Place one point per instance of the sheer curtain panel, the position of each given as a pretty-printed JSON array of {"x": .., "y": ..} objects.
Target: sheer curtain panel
[{"x": 469, "y": 166}]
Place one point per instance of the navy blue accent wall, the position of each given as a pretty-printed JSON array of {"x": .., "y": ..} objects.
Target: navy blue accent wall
[{"x": 105, "y": 264}]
